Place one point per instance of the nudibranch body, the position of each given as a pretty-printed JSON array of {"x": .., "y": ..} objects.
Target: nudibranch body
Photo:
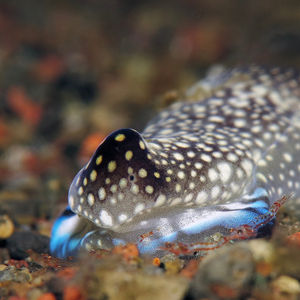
[{"x": 199, "y": 168}]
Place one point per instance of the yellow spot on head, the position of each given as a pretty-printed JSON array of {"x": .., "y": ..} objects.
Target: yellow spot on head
[
  {"x": 156, "y": 174},
  {"x": 93, "y": 175},
  {"x": 123, "y": 183},
  {"x": 142, "y": 173},
  {"x": 120, "y": 137},
  {"x": 99, "y": 160},
  {"x": 149, "y": 189},
  {"x": 91, "y": 199},
  {"x": 128, "y": 155},
  {"x": 85, "y": 181},
  {"x": 168, "y": 179},
  {"x": 142, "y": 145},
  {"x": 113, "y": 188},
  {"x": 80, "y": 191},
  {"x": 130, "y": 170},
  {"x": 107, "y": 180},
  {"x": 112, "y": 165},
  {"x": 134, "y": 189}
]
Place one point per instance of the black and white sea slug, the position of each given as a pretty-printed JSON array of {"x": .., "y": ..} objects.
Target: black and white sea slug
[{"x": 199, "y": 168}]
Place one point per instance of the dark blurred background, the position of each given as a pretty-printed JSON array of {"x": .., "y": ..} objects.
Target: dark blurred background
[{"x": 73, "y": 71}]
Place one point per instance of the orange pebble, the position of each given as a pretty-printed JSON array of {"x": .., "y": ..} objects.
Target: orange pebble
[
  {"x": 294, "y": 238},
  {"x": 47, "y": 296},
  {"x": 264, "y": 268},
  {"x": 156, "y": 261},
  {"x": 72, "y": 293},
  {"x": 128, "y": 251}
]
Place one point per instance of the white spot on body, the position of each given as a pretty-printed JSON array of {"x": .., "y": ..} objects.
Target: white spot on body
[
  {"x": 106, "y": 218},
  {"x": 182, "y": 145},
  {"x": 225, "y": 171},
  {"x": 213, "y": 175},
  {"x": 135, "y": 189},
  {"x": 192, "y": 185},
  {"x": 142, "y": 173},
  {"x": 80, "y": 191},
  {"x": 177, "y": 187},
  {"x": 217, "y": 154},
  {"x": 180, "y": 174},
  {"x": 189, "y": 197},
  {"x": 123, "y": 183},
  {"x": 262, "y": 177},
  {"x": 149, "y": 189},
  {"x": 121, "y": 196},
  {"x": 161, "y": 199},
  {"x": 191, "y": 154},
  {"x": 139, "y": 207},
  {"x": 201, "y": 197},
  {"x": 288, "y": 157},
  {"x": 215, "y": 191},
  {"x": 113, "y": 188},
  {"x": 122, "y": 217},
  {"x": 178, "y": 156},
  {"x": 91, "y": 199},
  {"x": 102, "y": 193},
  {"x": 247, "y": 166},
  {"x": 193, "y": 173},
  {"x": 239, "y": 123},
  {"x": 113, "y": 201},
  {"x": 198, "y": 165},
  {"x": 206, "y": 157}
]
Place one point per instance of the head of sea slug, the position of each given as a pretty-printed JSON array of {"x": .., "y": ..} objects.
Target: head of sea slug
[{"x": 119, "y": 182}]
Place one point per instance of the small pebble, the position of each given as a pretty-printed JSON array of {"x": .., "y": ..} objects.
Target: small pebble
[
  {"x": 262, "y": 250},
  {"x": 47, "y": 296},
  {"x": 6, "y": 227},
  {"x": 172, "y": 263},
  {"x": 22, "y": 241},
  {"x": 11, "y": 273},
  {"x": 225, "y": 273},
  {"x": 72, "y": 293},
  {"x": 285, "y": 287}
]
